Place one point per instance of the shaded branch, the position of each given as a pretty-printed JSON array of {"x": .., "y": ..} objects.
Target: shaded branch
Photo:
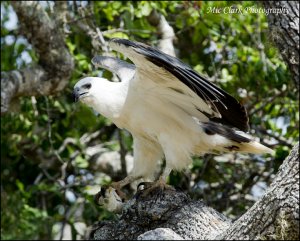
[{"x": 53, "y": 70}]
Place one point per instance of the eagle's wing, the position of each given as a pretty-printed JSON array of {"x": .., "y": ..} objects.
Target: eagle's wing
[
  {"x": 122, "y": 69},
  {"x": 168, "y": 78}
]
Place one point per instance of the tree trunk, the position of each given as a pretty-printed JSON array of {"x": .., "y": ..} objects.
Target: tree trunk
[
  {"x": 284, "y": 31},
  {"x": 276, "y": 215}
]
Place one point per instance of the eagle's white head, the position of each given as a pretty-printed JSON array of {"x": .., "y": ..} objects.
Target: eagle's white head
[
  {"x": 104, "y": 96},
  {"x": 85, "y": 90}
]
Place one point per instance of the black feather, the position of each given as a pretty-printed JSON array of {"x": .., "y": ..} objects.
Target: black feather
[{"x": 212, "y": 128}]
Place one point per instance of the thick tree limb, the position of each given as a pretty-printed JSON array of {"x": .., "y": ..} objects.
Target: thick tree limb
[
  {"x": 172, "y": 210},
  {"x": 285, "y": 33},
  {"x": 55, "y": 65},
  {"x": 160, "y": 234},
  {"x": 166, "y": 32},
  {"x": 274, "y": 216}
]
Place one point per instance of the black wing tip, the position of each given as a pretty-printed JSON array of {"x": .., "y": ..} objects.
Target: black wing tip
[
  {"x": 116, "y": 40},
  {"x": 237, "y": 119},
  {"x": 140, "y": 47},
  {"x": 236, "y": 113},
  {"x": 234, "y": 116},
  {"x": 124, "y": 42},
  {"x": 239, "y": 113},
  {"x": 245, "y": 120}
]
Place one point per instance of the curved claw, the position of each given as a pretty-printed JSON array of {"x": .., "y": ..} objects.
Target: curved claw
[
  {"x": 98, "y": 198},
  {"x": 109, "y": 198},
  {"x": 117, "y": 187},
  {"x": 144, "y": 185}
]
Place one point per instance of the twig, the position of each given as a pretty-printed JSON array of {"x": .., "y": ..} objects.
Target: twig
[
  {"x": 269, "y": 100},
  {"x": 102, "y": 41},
  {"x": 280, "y": 139},
  {"x": 50, "y": 131}
]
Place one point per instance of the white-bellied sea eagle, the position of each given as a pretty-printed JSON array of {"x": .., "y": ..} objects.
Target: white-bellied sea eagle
[{"x": 171, "y": 111}]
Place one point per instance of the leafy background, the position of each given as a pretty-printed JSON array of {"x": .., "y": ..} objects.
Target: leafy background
[{"x": 55, "y": 154}]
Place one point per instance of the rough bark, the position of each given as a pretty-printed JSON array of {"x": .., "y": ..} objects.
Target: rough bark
[
  {"x": 172, "y": 209},
  {"x": 284, "y": 30},
  {"x": 55, "y": 64},
  {"x": 274, "y": 216},
  {"x": 160, "y": 234}
]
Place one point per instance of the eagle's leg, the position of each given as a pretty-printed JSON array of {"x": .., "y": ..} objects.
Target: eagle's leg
[
  {"x": 120, "y": 184},
  {"x": 159, "y": 185}
]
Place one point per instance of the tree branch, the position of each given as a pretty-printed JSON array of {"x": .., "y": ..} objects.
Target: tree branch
[
  {"x": 55, "y": 64},
  {"x": 173, "y": 210},
  {"x": 274, "y": 216},
  {"x": 165, "y": 44}
]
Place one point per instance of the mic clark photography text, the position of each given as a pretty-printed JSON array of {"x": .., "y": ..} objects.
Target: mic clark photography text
[{"x": 246, "y": 10}]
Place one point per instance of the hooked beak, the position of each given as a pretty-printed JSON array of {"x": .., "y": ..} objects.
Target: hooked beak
[{"x": 77, "y": 94}]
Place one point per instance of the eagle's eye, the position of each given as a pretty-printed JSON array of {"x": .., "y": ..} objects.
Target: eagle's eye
[{"x": 87, "y": 86}]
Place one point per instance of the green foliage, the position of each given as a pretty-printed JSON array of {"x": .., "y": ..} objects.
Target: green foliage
[
  {"x": 20, "y": 220},
  {"x": 46, "y": 173}
]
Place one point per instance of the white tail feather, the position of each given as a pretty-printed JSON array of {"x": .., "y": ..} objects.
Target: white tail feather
[{"x": 256, "y": 148}]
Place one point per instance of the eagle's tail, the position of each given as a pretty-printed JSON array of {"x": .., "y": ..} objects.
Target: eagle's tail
[
  {"x": 255, "y": 148},
  {"x": 223, "y": 138}
]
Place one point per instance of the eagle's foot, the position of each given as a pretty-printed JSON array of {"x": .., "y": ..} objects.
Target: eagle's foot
[
  {"x": 154, "y": 188},
  {"x": 110, "y": 199},
  {"x": 117, "y": 186}
]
